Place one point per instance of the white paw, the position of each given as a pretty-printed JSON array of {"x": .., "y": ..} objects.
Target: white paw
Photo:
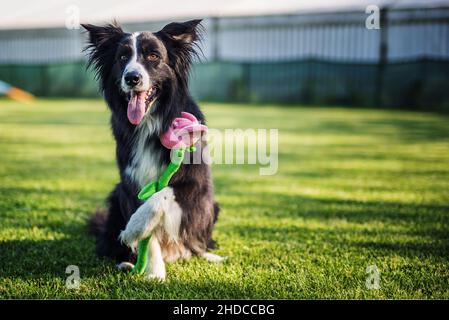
[
  {"x": 125, "y": 266},
  {"x": 156, "y": 276},
  {"x": 213, "y": 257}
]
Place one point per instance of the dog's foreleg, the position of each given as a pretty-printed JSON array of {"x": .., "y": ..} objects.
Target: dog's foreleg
[
  {"x": 145, "y": 219},
  {"x": 156, "y": 266},
  {"x": 140, "y": 226}
]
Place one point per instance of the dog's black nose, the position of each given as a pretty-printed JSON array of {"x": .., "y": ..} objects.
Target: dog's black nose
[{"x": 133, "y": 78}]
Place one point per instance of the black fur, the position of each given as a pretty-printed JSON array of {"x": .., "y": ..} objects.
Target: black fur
[{"x": 192, "y": 184}]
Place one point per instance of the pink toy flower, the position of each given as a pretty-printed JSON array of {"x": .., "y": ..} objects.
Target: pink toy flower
[{"x": 184, "y": 132}]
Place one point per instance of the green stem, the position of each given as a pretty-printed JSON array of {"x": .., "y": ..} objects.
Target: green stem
[{"x": 142, "y": 256}]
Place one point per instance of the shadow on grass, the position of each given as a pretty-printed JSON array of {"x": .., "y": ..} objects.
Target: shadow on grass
[
  {"x": 404, "y": 130},
  {"x": 410, "y": 249},
  {"x": 385, "y": 242},
  {"x": 291, "y": 206},
  {"x": 49, "y": 258},
  {"x": 45, "y": 261}
]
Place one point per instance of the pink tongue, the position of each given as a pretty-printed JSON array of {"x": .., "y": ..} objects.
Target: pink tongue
[{"x": 136, "y": 107}]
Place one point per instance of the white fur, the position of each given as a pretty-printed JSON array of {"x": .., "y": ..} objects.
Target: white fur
[
  {"x": 156, "y": 266},
  {"x": 172, "y": 217},
  {"x": 146, "y": 218},
  {"x": 161, "y": 210},
  {"x": 145, "y": 165},
  {"x": 134, "y": 65}
]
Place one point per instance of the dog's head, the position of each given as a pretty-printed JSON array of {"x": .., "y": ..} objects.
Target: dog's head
[{"x": 144, "y": 66}]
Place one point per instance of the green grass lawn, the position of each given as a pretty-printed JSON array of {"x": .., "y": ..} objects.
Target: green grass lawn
[{"x": 354, "y": 188}]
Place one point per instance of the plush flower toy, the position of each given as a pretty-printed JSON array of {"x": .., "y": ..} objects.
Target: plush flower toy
[{"x": 182, "y": 135}]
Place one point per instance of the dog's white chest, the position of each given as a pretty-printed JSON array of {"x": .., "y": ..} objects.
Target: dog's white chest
[{"x": 146, "y": 160}]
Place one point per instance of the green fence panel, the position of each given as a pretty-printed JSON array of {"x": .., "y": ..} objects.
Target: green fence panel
[{"x": 413, "y": 85}]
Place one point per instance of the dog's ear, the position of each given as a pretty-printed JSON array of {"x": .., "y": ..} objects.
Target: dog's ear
[
  {"x": 101, "y": 35},
  {"x": 185, "y": 32},
  {"x": 182, "y": 43},
  {"x": 101, "y": 48}
]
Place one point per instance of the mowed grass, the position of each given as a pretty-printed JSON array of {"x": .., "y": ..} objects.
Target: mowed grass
[{"x": 354, "y": 188}]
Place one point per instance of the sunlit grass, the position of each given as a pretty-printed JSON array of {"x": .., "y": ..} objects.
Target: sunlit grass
[{"x": 354, "y": 188}]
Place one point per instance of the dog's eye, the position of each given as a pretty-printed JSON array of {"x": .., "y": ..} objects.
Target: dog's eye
[
  {"x": 152, "y": 57},
  {"x": 123, "y": 57}
]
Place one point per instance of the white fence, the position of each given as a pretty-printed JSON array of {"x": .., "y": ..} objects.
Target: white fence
[{"x": 340, "y": 36}]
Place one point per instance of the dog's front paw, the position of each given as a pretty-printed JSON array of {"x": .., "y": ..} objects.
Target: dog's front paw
[
  {"x": 156, "y": 277},
  {"x": 156, "y": 270}
]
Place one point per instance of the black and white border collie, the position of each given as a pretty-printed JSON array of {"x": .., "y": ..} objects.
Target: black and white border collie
[{"x": 144, "y": 79}]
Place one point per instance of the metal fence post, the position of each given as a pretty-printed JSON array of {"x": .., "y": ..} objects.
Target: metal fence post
[{"x": 383, "y": 56}]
